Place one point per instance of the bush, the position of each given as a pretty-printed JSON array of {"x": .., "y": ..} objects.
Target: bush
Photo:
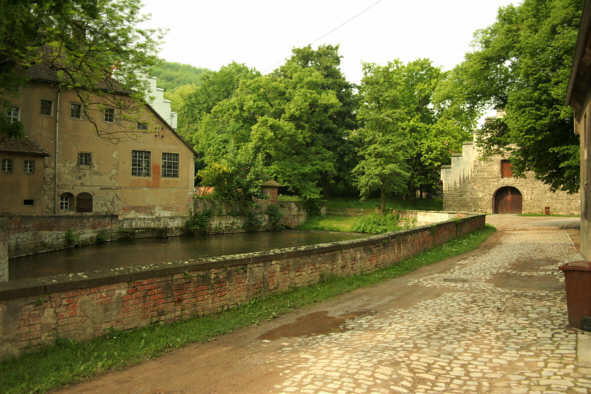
[
  {"x": 275, "y": 215},
  {"x": 377, "y": 224},
  {"x": 71, "y": 238},
  {"x": 101, "y": 237},
  {"x": 313, "y": 207},
  {"x": 251, "y": 220},
  {"x": 198, "y": 222}
]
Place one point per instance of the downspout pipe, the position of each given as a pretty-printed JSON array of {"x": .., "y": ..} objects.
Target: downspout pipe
[{"x": 56, "y": 150}]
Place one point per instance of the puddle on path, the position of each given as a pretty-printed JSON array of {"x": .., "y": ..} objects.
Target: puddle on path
[{"x": 316, "y": 323}]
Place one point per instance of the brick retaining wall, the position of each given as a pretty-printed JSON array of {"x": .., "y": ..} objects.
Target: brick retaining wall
[{"x": 34, "y": 313}]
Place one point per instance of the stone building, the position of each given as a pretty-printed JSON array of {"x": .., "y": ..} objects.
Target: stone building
[
  {"x": 473, "y": 184},
  {"x": 579, "y": 98},
  {"x": 97, "y": 160}
]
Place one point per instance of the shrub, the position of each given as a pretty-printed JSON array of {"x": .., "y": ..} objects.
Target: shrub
[
  {"x": 101, "y": 237},
  {"x": 251, "y": 220},
  {"x": 198, "y": 222},
  {"x": 377, "y": 224},
  {"x": 275, "y": 215},
  {"x": 71, "y": 238}
]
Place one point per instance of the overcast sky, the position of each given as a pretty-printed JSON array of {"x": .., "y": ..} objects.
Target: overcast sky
[{"x": 261, "y": 33}]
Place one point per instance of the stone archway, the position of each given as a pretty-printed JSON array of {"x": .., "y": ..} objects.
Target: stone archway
[{"x": 508, "y": 200}]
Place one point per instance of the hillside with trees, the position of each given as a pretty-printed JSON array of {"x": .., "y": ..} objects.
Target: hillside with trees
[{"x": 173, "y": 75}]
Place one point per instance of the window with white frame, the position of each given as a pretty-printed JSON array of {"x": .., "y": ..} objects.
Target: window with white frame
[
  {"x": 76, "y": 110},
  {"x": 7, "y": 166},
  {"x": 13, "y": 114},
  {"x": 66, "y": 202},
  {"x": 29, "y": 167},
  {"x": 46, "y": 107},
  {"x": 170, "y": 165},
  {"x": 109, "y": 115},
  {"x": 140, "y": 163}
]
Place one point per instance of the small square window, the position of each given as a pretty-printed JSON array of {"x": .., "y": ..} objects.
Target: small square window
[
  {"x": 76, "y": 110},
  {"x": 110, "y": 115},
  {"x": 46, "y": 107},
  {"x": 29, "y": 202},
  {"x": 13, "y": 114},
  {"x": 142, "y": 126},
  {"x": 29, "y": 167},
  {"x": 7, "y": 166},
  {"x": 84, "y": 158},
  {"x": 170, "y": 165}
]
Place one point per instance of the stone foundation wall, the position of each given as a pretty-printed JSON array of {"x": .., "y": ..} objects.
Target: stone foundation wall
[
  {"x": 470, "y": 184},
  {"x": 34, "y": 313}
]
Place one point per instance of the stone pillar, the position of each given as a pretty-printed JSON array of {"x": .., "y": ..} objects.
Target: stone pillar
[{"x": 3, "y": 251}]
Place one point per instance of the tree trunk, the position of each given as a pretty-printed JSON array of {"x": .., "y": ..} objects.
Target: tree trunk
[{"x": 382, "y": 201}]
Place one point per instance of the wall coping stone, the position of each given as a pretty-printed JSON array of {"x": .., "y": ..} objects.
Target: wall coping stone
[{"x": 35, "y": 287}]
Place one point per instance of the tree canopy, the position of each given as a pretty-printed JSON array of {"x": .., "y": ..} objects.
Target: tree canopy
[
  {"x": 172, "y": 75},
  {"x": 521, "y": 66},
  {"x": 86, "y": 42}
]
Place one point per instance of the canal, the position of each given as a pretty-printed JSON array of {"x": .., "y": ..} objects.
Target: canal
[{"x": 153, "y": 251}]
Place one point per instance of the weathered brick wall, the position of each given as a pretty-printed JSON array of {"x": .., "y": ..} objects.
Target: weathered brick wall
[
  {"x": 34, "y": 313},
  {"x": 470, "y": 184}
]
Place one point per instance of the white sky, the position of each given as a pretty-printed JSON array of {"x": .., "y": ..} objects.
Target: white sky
[{"x": 261, "y": 33}]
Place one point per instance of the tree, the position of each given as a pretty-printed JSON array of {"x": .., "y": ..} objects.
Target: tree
[
  {"x": 172, "y": 75},
  {"x": 290, "y": 121},
  {"x": 522, "y": 65},
  {"x": 383, "y": 148},
  {"x": 92, "y": 45}
]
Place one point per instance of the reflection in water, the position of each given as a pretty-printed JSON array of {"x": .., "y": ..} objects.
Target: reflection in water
[{"x": 152, "y": 251}]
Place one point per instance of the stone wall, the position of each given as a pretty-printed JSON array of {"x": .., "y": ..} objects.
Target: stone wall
[
  {"x": 4, "y": 268},
  {"x": 34, "y": 313},
  {"x": 228, "y": 218},
  {"x": 470, "y": 184}
]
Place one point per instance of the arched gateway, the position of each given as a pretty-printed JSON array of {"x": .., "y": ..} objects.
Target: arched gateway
[{"x": 508, "y": 200}]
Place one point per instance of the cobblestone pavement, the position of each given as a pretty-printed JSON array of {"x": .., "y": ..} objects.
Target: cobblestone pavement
[
  {"x": 502, "y": 328},
  {"x": 494, "y": 320}
]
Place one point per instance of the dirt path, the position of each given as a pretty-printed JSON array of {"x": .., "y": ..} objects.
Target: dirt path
[{"x": 491, "y": 320}]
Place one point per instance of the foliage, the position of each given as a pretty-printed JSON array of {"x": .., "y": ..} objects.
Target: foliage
[
  {"x": 284, "y": 197},
  {"x": 101, "y": 237},
  {"x": 69, "y": 361},
  {"x": 403, "y": 139},
  {"x": 291, "y": 122},
  {"x": 521, "y": 65},
  {"x": 172, "y": 75},
  {"x": 377, "y": 224},
  {"x": 275, "y": 215},
  {"x": 90, "y": 44},
  {"x": 313, "y": 207},
  {"x": 398, "y": 204},
  {"x": 252, "y": 221},
  {"x": 71, "y": 238},
  {"x": 198, "y": 222}
]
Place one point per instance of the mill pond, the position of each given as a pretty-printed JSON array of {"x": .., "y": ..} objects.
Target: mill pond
[{"x": 153, "y": 251}]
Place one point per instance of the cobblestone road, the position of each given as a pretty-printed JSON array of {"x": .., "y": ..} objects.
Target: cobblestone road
[
  {"x": 495, "y": 321},
  {"x": 499, "y": 329}
]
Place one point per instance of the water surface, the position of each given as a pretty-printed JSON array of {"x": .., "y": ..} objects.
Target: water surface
[{"x": 153, "y": 251}]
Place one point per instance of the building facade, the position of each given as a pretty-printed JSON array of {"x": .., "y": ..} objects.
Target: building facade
[
  {"x": 99, "y": 159},
  {"x": 579, "y": 98},
  {"x": 473, "y": 184}
]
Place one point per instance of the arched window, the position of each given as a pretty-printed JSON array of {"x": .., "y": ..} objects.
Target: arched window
[
  {"x": 66, "y": 202},
  {"x": 84, "y": 202}
]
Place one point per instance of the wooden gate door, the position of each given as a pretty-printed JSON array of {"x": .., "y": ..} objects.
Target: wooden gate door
[{"x": 508, "y": 200}]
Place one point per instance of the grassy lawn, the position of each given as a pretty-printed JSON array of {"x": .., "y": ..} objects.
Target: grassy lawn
[
  {"x": 424, "y": 205},
  {"x": 371, "y": 224},
  {"x": 70, "y": 362}
]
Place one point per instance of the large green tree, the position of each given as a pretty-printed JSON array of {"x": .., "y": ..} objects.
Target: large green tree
[
  {"x": 405, "y": 134},
  {"x": 290, "y": 122},
  {"x": 521, "y": 65},
  {"x": 88, "y": 43}
]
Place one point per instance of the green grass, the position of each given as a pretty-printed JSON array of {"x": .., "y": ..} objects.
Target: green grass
[
  {"x": 69, "y": 362},
  {"x": 423, "y": 205},
  {"x": 283, "y": 197},
  {"x": 329, "y": 223},
  {"x": 541, "y": 214}
]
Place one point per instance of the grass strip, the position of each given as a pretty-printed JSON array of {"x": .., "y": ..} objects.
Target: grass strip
[
  {"x": 372, "y": 203},
  {"x": 329, "y": 223},
  {"x": 70, "y": 362}
]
